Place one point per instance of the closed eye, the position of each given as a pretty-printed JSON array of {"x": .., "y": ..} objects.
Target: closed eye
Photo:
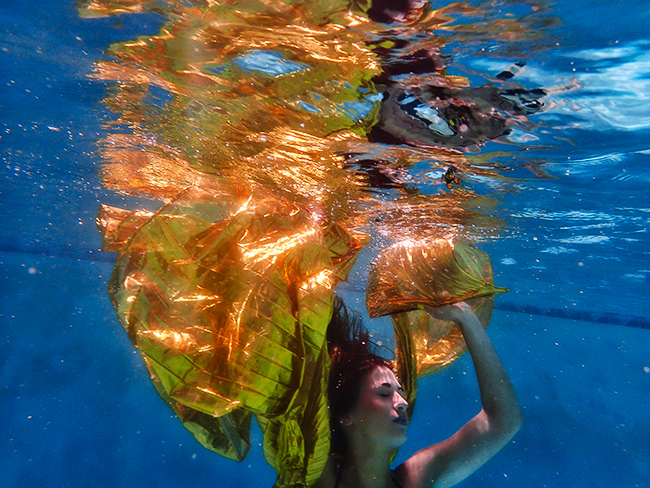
[{"x": 386, "y": 390}]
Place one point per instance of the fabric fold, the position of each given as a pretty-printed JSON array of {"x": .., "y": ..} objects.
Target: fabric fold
[
  {"x": 228, "y": 299},
  {"x": 411, "y": 274}
]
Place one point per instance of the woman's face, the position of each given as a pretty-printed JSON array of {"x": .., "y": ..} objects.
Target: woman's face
[{"x": 379, "y": 415}]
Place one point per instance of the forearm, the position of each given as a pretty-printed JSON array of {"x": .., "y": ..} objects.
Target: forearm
[
  {"x": 497, "y": 394},
  {"x": 455, "y": 458}
]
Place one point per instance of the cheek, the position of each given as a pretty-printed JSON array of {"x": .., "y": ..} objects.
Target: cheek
[
  {"x": 379, "y": 407},
  {"x": 368, "y": 408}
]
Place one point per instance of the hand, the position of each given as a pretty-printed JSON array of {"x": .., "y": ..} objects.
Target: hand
[{"x": 451, "y": 313}]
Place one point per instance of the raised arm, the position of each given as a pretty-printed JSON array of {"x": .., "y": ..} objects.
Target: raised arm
[{"x": 450, "y": 461}]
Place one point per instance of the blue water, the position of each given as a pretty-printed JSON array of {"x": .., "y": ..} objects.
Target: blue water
[{"x": 78, "y": 408}]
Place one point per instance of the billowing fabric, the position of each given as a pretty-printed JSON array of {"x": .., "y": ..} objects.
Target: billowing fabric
[
  {"x": 228, "y": 300},
  {"x": 410, "y": 274}
]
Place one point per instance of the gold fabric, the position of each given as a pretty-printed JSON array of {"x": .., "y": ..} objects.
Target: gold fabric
[
  {"x": 436, "y": 272},
  {"x": 228, "y": 298},
  {"x": 408, "y": 275},
  {"x": 227, "y": 290},
  {"x": 118, "y": 225}
]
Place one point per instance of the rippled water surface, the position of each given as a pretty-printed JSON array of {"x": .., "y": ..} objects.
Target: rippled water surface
[{"x": 521, "y": 126}]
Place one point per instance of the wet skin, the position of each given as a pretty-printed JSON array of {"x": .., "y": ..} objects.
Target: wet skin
[{"x": 379, "y": 416}]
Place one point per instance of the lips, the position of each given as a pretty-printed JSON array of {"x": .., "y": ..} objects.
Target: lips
[{"x": 401, "y": 421}]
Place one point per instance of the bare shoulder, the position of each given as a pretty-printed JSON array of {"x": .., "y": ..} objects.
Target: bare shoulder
[
  {"x": 452, "y": 460},
  {"x": 422, "y": 470}
]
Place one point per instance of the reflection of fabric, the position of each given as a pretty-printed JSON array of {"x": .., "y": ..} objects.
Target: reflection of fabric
[
  {"x": 411, "y": 274},
  {"x": 228, "y": 300}
]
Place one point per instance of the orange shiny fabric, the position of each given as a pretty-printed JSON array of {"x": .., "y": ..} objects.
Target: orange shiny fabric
[
  {"x": 228, "y": 297},
  {"x": 228, "y": 300},
  {"x": 410, "y": 274}
]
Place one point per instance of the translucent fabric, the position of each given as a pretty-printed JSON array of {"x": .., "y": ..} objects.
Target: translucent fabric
[
  {"x": 228, "y": 300},
  {"x": 408, "y": 275}
]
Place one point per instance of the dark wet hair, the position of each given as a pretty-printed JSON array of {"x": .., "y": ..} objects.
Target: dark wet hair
[
  {"x": 379, "y": 10},
  {"x": 353, "y": 358}
]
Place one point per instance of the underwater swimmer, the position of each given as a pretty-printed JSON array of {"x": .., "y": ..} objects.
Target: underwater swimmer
[{"x": 369, "y": 414}]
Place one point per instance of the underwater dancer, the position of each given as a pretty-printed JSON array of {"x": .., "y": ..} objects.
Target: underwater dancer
[
  {"x": 229, "y": 299},
  {"x": 368, "y": 412}
]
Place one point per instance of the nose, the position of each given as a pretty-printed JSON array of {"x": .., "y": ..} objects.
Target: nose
[{"x": 400, "y": 404}]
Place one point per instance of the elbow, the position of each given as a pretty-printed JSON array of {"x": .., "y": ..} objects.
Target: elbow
[
  {"x": 513, "y": 421},
  {"x": 506, "y": 429},
  {"x": 508, "y": 423},
  {"x": 517, "y": 421}
]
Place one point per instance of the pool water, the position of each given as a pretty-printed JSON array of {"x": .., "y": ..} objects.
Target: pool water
[{"x": 560, "y": 204}]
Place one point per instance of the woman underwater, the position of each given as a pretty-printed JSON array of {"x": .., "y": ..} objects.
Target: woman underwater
[
  {"x": 369, "y": 412},
  {"x": 227, "y": 290},
  {"x": 230, "y": 302}
]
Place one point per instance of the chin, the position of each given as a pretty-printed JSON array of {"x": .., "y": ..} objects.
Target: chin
[{"x": 399, "y": 440}]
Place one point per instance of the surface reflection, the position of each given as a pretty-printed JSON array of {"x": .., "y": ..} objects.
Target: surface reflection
[{"x": 333, "y": 105}]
